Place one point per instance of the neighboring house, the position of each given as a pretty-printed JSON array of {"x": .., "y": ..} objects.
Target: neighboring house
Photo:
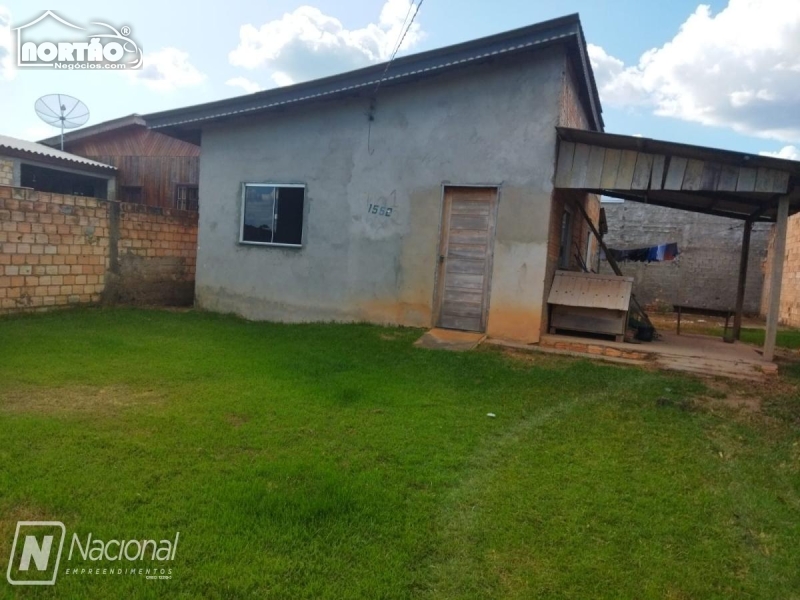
[
  {"x": 32, "y": 165},
  {"x": 430, "y": 202},
  {"x": 152, "y": 169},
  {"x": 705, "y": 273}
]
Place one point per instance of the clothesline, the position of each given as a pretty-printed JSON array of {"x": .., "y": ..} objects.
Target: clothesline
[{"x": 658, "y": 253}]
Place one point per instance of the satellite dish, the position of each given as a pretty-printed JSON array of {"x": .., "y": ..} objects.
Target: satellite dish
[{"x": 62, "y": 111}]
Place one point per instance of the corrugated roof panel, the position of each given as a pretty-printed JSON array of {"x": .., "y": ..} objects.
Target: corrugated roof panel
[{"x": 18, "y": 145}]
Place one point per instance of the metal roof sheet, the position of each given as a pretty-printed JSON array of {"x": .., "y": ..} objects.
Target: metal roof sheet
[
  {"x": 565, "y": 30},
  {"x": 104, "y": 127},
  {"x": 591, "y": 290},
  {"x": 47, "y": 152}
]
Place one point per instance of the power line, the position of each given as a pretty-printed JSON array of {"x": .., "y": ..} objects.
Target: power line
[{"x": 399, "y": 42}]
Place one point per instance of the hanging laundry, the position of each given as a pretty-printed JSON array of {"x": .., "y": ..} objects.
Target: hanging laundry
[{"x": 659, "y": 253}]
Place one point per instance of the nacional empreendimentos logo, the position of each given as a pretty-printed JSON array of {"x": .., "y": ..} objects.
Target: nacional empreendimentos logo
[
  {"x": 52, "y": 42},
  {"x": 38, "y": 546}
]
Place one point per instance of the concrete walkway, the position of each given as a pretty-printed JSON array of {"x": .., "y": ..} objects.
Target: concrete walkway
[{"x": 450, "y": 339}]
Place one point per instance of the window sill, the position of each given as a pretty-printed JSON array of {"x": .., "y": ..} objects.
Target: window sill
[{"x": 269, "y": 244}]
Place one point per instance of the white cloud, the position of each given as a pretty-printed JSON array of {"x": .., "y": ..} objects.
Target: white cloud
[
  {"x": 40, "y": 131},
  {"x": 167, "y": 69},
  {"x": 738, "y": 69},
  {"x": 7, "y": 69},
  {"x": 244, "y": 83},
  {"x": 306, "y": 43},
  {"x": 788, "y": 152}
]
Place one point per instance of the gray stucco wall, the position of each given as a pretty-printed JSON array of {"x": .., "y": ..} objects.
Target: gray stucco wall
[
  {"x": 707, "y": 270},
  {"x": 483, "y": 125}
]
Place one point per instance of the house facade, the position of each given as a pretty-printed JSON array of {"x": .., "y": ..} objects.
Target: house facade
[
  {"x": 424, "y": 198},
  {"x": 153, "y": 169}
]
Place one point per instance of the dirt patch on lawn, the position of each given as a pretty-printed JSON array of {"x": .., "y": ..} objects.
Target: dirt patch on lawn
[{"x": 76, "y": 399}]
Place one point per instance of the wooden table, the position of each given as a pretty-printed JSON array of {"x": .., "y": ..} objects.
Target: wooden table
[{"x": 701, "y": 310}]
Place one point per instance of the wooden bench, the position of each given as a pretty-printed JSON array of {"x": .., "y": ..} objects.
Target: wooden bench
[{"x": 706, "y": 312}]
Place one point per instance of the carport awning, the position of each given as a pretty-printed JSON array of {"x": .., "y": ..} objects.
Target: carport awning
[{"x": 693, "y": 178}]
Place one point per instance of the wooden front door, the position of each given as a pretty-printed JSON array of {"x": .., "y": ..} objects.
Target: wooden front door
[{"x": 465, "y": 257}]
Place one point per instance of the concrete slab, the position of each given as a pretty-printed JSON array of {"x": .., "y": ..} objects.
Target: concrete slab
[
  {"x": 450, "y": 339},
  {"x": 700, "y": 354}
]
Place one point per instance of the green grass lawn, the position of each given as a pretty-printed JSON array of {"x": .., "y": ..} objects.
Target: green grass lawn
[
  {"x": 339, "y": 461},
  {"x": 786, "y": 338}
]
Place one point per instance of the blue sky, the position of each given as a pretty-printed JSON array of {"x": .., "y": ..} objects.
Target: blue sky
[{"x": 724, "y": 74}]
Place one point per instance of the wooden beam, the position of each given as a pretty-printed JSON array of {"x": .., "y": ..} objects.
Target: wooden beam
[
  {"x": 776, "y": 278},
  {"x": 611, "y": 261},
  {"x": 743, "y": 260}
]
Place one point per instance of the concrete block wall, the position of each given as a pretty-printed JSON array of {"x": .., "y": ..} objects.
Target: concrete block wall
[
  {"x": 58, "y": 250},
  {"x": 790, "y": 286},
  {"x": 706, "y": 272},
  {"x": 6, "y": 172}
]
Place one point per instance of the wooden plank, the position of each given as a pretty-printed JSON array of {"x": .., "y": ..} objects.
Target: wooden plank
[
  {"x": 610, "y": 168},
  {"x": 693, "y": 178},
  {"x": 465, "y": 296},
  {"x": 627, "y": 165},
  {"x": 641, "y": 173},
  {"x": 764, "y": 179},
  {"x": 580, "y": 165},
  {"x": 461, "y": 309},
  {"x": 675, "y": 172},
  {"x": 728, "y": 177},
  {"x": 566, "y": 151},
  {"x": 711, "y": 175},
  {"x": 591, "y": 320},
  {"x": 595, "y": 170},
  {"x": 469, "y": 222},
  {"x": 465, "y": 266},
  {"x": 747, "y": 180},
  {"x": 473, "y": 251},
  {"x": 780, "y": 183},
  {"x": 657, "y": 174},
  {"x": 464, "y": 282},
  {"x": 461, "y": 323},
  {"x": 469, "y": 236},
  {"x": 464, "y": 207}
]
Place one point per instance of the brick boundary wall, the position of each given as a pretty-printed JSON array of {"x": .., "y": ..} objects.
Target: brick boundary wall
[
  {"x": 59, "y": 250},
  {"x": 789, "y": 313}
]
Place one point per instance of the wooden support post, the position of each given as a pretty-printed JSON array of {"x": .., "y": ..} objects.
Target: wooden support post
[
  {"x": 779, "y": 252},
  {"x": 743, "y": 260}
]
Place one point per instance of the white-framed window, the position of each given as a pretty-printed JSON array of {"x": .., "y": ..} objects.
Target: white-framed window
[{"x": 272, "y": 214}]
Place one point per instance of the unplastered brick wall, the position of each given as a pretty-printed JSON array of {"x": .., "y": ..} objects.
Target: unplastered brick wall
[
  {"x": 156, "y": 256},
  {"x": 58, "y": 250},
  {"x": 789, "y": 313},
  {"x": 52, "y": 249}
]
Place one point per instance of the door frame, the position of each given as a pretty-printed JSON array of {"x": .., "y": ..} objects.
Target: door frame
[{"x": 444, "y": 222}]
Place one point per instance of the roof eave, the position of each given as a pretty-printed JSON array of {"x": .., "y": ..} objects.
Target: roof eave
[{"x": 185, "y": 123}]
